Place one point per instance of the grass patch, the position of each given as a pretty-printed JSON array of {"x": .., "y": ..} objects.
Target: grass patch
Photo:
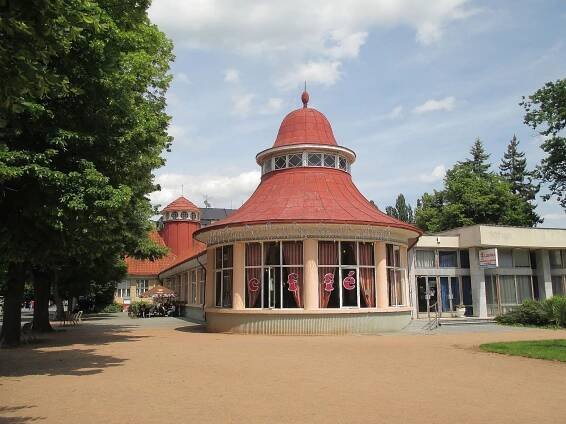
[{"x": 552, "y": 350}]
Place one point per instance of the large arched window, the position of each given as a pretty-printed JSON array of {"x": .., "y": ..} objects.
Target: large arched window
[
  {"x": 346, "y": 273},
  {"x": 274, "y": 274}
]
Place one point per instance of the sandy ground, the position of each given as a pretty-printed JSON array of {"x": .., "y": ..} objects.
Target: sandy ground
[{"x": 120, "y": 371}]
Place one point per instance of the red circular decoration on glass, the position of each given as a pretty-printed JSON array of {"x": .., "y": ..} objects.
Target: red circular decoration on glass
[
  {"x": 253, "y": 285},
  {"x": 349, "y": 282}
]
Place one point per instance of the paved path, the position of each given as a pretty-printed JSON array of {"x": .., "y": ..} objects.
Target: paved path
[{"x": 117, "y": 370}]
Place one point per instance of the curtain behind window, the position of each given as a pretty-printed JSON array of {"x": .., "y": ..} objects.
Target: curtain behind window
[
  {"x": 293, "y": 255},
  {"x": 327, "y": 255},
  {"x": 254, "y": 286},
  {"x": 524, "y": 291},
  {"x": 425, "y": 258},
  {"x": 367, "y": 275},
  {"x": 507, "y": 290}
]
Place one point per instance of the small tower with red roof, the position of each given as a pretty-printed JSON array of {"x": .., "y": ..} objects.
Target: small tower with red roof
[{"x": 180, "y": 218}]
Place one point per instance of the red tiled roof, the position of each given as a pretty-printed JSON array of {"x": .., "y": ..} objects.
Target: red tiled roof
[
  {"x": 308, "y": 195},
  {"x": 305, "y": 125},
  {"x": 181, "y": 204},
  {"x": 144, "y": 267}
]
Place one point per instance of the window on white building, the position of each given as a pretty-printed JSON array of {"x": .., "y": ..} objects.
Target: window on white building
[
  {"x": 425, "y": 259},
  {"x": 448, "y": 259}
]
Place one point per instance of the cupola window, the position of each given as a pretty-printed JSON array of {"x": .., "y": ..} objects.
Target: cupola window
[
  {"x": 280, "y": 162},
  {"x": 315, "y": 159},
  {"x": 174, "y": 215},
  {"x": 295, "y": 160},
  {"x": 330, "y": 161},
  {"x": 342, "y": 163},
  {"x": 184, "y": 215}
]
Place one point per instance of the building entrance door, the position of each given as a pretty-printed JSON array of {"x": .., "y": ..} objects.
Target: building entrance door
[
  {"x": 450, "y": 293},
  {"x": 427, "y": 293}
]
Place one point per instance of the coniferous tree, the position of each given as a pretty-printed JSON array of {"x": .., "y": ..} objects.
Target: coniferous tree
[
  {"x": 401, "y": 210},
  {"x": 473, "y": 195},
  {"x": 479, "y": 158},
  {"x": 513, "y": 168}
]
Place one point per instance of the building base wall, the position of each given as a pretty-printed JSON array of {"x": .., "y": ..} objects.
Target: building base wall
[
  {"x": 194, "y": 313},
  {"x": 325, "y": 323}
]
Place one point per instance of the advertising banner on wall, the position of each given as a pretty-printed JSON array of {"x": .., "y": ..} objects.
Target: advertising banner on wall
[{"x": 488, "y": 258}]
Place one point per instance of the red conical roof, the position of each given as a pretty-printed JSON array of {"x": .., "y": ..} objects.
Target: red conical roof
[
  {"x": 305, "y": 126},
  {"x": 181, "y": 204},
  {"x": 308, "y": 195}
]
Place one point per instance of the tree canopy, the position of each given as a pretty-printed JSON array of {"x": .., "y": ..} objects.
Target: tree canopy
[
  {"x": 472, "y": 195},
  {"x": 546, "y": 113},
  {"x": 82, "y": 127},
  {"x": 402, "y": 210}
]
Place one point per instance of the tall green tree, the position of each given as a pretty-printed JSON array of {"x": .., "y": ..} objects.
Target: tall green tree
[
  {"x": 82, "y": 127},
  {"x": 513, "y": 169},
  {"x": 478, "y": 161},
  {"x": 472, "y": 195},
  {"x": 546, "y": 113},
  {"x": 402, "y": 210}
]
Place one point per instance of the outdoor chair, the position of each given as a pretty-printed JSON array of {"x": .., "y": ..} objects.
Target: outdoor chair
[{"x": 77, "y": 318}]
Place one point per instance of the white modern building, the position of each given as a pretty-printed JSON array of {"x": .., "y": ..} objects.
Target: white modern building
[{"x": 487, "y": 269}]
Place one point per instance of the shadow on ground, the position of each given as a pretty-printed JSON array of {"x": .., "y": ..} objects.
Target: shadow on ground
[
  {"x": 200, "y": 328},
  {"x": 16, "y": 420},
  {"x": 66, "y": 353}
]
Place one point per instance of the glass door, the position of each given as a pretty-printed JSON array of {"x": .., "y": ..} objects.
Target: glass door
[
  {"x": 272, "y": 287},
  {"x": 450, "y": 293},
  {"x": 427, "y": 293}
]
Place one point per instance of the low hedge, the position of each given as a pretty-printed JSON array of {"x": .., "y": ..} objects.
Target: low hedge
[
  {"x": 549, "y": 312},
  {"x": 113, "y": 307}
]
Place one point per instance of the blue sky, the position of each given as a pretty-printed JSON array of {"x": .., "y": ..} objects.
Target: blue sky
[{"x": 408, "y": 85}]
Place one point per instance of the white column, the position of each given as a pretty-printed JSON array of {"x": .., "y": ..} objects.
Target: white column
[
  {"x": 210, "y": 283},
  {"x": 239, "y": 284},
  {"x": 544, "y": 276},
  {"x": 477, "y": 277},
  {"x": 381, "y": 275},
  {"x": 310, "y": 283}
]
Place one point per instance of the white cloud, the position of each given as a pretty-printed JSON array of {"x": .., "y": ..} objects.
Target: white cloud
[
  {"x": 436, "y": 174},
  {"x": 322, "y": 72},
  {"x": 273, "y": 105},
  {"x": 295, "y": 32},
  {"x": 181, "y": 77},
  {"x": 232, "y": 76},
  {"x": 241, "y": 104},
  {"x": 222, "y": 191},
  {"x": 176, "y": 131},
  {"x": 395, "y": 113},
  {"x": 433, "y": 105}
]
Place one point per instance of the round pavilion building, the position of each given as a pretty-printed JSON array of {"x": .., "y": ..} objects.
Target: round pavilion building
[{"x": 307, "y": 253}]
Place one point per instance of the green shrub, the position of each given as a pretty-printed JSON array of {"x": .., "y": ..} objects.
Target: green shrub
[
  {"x": 531, "y": 312},
  {"x": 135, "y": 307},
  {"x": 113, "y": 307}
]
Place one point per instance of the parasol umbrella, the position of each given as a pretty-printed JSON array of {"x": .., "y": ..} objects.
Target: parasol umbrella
[{"x": 160, "y": 292}]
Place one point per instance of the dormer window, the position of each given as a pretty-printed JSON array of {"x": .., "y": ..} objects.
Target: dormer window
[
  {"x": 174, "y": 215},
  {"x": 184, "y": 215},
  {"x": 193, "y": 216}
]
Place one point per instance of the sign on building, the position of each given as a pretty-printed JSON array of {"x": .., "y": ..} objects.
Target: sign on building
[{"x": 488, "y": 258}]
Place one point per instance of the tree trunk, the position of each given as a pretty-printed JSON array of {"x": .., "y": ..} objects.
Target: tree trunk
[
  {"x": 12, "y": 318},
  {"x": 58, "y": 302},
  {"x": 42, "y": 291}
]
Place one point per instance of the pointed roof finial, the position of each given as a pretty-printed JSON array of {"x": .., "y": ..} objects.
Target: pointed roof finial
[{"x": 305, "y": 96}]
